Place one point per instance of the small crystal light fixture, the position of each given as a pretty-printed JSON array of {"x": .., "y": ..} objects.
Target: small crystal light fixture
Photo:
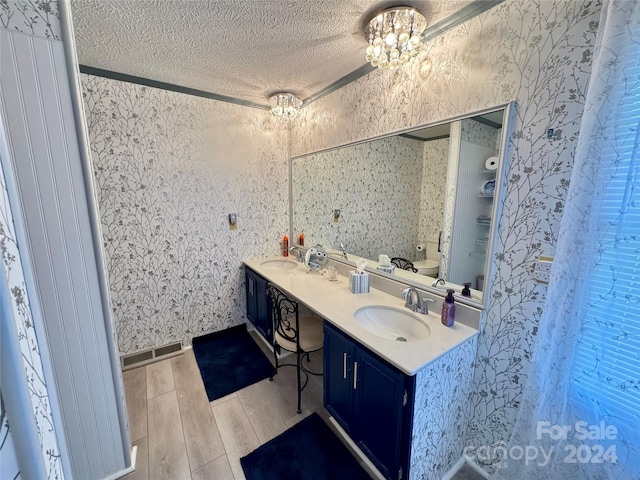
[
  {"x": 394, "y": 37},
  {"x": 285, "y": 106}
]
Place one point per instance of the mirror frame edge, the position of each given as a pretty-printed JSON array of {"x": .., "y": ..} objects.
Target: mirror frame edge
[{"x": 505, "y": 152}]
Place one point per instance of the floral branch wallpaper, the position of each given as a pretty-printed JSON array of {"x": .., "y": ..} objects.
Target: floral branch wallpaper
[
  {"x": 539, "y": 54},
  {"x": 440, "y": 412},
  {"x": 434, "y": 190},
  {"x": 376, "y": 185},
  {"x": 38, "y": 19},
  {"x": 9, "y": 467},
  {"x": 169, "y": 168},
  {"x": 390, "y": 193}
]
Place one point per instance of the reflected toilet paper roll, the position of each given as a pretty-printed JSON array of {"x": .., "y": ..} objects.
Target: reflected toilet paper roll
[
  {"x": 491, "y": 163},
  {"x": 421, "y": 247}
]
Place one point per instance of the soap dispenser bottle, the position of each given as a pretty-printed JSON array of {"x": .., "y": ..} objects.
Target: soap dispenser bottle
[
  {"x": 466, "y": 291},
  {"x": 448, "y": 309}
]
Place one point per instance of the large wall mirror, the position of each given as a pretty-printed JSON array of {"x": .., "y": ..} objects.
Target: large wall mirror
[{"x": 426, "y": 197}]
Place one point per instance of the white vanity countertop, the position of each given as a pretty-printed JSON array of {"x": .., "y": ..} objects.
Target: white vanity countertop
[{"x": 334, "y": 302}]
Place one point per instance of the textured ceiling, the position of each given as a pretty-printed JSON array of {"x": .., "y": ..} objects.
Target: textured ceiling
[{"x": 247, "y": 49}]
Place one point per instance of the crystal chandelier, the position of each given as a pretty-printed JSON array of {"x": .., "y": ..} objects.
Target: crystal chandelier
[
  {"x": 285, "y": 106},
  {"x": 394, "y": 37}
]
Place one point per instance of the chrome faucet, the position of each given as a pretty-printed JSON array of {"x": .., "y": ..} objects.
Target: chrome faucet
[
  {"x": 299, "y": 253},
  {"x": 410, "y": 304},
  {"x": 344, "y": 251},
  {"x": 438, "y": 281},
  {"x": 419, "y": 305}
]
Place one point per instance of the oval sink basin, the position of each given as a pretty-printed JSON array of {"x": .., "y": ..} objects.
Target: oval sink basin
[
  {"x": 392, "y": 323},
  {"x": 280, "y": 264}
]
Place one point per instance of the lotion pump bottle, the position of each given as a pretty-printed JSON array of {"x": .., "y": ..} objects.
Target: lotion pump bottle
[{"x": 448, "y": 309}]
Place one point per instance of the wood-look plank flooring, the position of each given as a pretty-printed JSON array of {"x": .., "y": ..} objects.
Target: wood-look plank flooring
[{"x": 181, "y": 435}]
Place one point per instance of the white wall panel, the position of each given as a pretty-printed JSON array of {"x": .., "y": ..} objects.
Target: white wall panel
[{"x": 43, "y": 147}]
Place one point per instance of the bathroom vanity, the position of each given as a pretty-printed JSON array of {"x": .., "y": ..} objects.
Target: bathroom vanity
[{"x": 400, "y": 401}]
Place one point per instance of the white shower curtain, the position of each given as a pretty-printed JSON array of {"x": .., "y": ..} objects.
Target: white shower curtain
[{"x": 585, "y": 375}]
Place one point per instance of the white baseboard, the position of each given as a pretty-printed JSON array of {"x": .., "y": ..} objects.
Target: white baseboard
[
  {"x": 281, "y": 355},
  {"x": 476, "y": 467},
  {"x": 126, "y": 471},
  {"x": 457, "y": 466}
]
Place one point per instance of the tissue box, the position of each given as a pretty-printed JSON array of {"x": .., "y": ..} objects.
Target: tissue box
[
  {"x": 390, "y": 269},
  {"x": 359, "y": 282}
]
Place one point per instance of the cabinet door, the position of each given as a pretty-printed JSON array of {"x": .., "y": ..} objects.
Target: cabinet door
[
  {"x": 339, "y": 353},
  {"x": 250, "y": 287},
  {"x": 379, "y": 398},
  {"x": 263, "y": 321}
]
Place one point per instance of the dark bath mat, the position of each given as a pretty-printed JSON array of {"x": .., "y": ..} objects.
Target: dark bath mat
[
  {"x": 308, "y": 450},
  {"x": 229, "y": 361}
]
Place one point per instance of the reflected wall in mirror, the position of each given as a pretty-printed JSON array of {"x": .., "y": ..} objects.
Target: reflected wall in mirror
[{"x": 425, "y": 196}]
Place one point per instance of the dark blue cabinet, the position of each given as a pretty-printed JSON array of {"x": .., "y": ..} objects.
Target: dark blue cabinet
[
  {"x": 371, "y": 400},
  {"x": 379, "y": 399},
  {"x": 259, "y": 304},
  {"x": 339, "y": 352}
]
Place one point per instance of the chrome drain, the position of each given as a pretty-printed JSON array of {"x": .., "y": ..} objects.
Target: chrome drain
[{"x": 401, "y": 339}]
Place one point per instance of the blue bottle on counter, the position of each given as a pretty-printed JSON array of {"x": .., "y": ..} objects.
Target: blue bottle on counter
[{"x": 448, "y": 309}]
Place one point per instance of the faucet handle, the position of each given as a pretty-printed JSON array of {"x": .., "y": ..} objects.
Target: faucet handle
[{"x": 424, "y": 308}]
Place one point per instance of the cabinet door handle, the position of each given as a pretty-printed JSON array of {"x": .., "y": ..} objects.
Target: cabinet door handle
[
  {"x": 344, "y": 365},
  {"x": 355, "y": 375},
  {"x": 251, "y": 286}
]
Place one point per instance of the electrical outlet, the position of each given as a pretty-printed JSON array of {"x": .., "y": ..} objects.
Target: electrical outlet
[
  {"x": 541, "y": 277},
  {"x": 542, "y": 269}
]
